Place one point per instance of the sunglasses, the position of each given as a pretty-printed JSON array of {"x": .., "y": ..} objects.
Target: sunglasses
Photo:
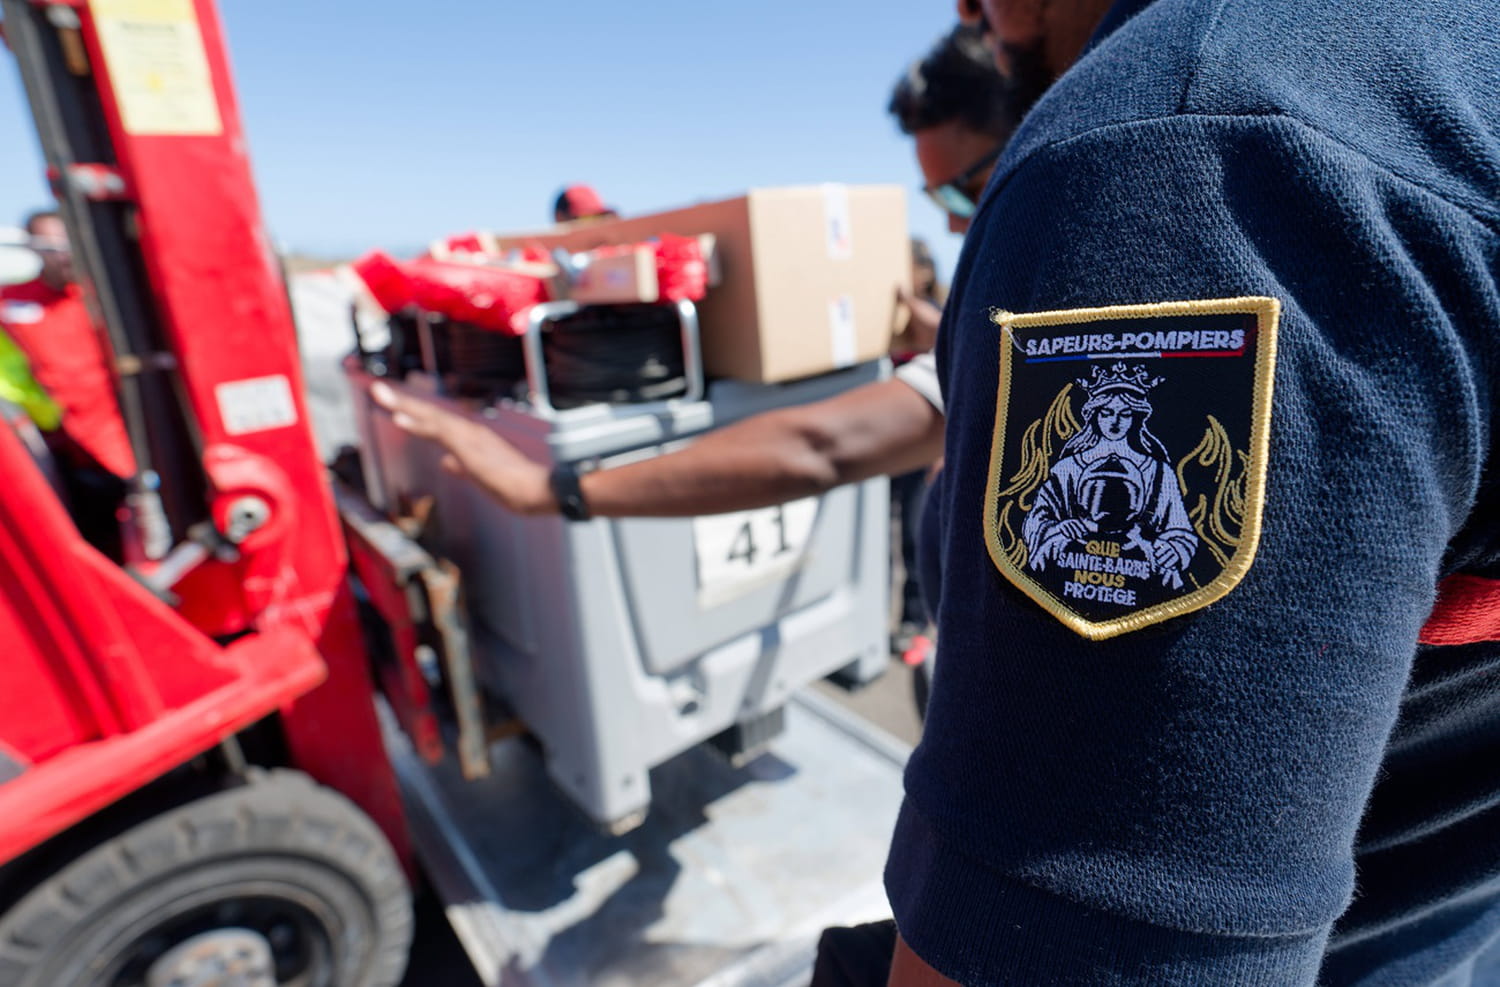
[{"x": 958, "y": 195}]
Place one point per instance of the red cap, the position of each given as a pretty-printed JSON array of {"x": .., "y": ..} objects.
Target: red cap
[{"x": 583, "y": 201}]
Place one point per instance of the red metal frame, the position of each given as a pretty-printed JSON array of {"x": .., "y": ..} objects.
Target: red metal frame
[
  {"x": 104, "y": 688},
  {"x": 401, "y": 679},
  {"x": 133, "y": 687}
]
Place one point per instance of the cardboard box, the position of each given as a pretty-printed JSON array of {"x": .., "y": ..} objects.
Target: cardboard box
[
  {"x": 807, "y": 276},
  {"x": 619, "y": 279}
]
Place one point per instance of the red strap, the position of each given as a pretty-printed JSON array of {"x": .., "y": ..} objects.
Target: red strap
[{"x": 1467, "y": 612}]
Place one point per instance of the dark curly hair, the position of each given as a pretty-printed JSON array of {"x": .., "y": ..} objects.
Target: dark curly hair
[{"x": 956, "y": 80}]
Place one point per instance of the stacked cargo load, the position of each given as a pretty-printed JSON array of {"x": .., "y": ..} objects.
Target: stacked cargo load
[{"x": 620, "y": 643}]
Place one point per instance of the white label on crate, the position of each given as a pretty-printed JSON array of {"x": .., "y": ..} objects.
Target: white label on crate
[
  {"x": 158, "y": 66},
  {"x": 741, "y": 552},
  {"x": 256, "y": 405},
  {"x": 841, "y": 331},
  {"x": 836, "y": 222}
]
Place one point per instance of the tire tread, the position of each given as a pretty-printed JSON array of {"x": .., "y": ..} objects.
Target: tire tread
[{"x": 278, "y": 810}]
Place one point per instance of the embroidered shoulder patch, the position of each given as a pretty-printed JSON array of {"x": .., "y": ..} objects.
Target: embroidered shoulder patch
[{"x": 1128, "y": 471}]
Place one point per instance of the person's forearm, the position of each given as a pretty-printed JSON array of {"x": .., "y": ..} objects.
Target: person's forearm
[
  {"x": 765, "y": 460},
  {"x": 887, "y": 427},
  {"x": 779, "y": 456}
]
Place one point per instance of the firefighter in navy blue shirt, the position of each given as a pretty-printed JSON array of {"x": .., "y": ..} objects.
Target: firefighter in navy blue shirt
[{"x": 1219, "y": 528}]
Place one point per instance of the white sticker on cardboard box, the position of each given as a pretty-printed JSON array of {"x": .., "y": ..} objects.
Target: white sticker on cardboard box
[
  {"x": 836, "y": 222},
  {"x": 841, "y": 331},
  {"x": 256, "y": 405}
]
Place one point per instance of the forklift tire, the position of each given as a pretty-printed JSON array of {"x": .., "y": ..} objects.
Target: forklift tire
[{"x": 275, "y": 882}]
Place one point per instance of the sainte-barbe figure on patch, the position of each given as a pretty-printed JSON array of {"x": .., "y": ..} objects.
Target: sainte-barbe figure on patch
[{"x": 1113, "y": 485}]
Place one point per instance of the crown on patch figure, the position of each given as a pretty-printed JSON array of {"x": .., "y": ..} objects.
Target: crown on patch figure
[{"x": 1118, "y": 378}]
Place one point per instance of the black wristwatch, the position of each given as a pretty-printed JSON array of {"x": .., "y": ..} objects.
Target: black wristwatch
[{"x": 569, "y": 493}]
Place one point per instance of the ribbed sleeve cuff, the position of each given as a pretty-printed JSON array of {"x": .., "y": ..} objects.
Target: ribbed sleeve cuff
[{"x": 981, "y": 928}]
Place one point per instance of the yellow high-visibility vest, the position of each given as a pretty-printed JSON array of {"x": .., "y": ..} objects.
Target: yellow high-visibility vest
[{"x": 21, "y": 389}]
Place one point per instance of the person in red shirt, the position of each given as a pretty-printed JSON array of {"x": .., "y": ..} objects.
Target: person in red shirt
[{"x": 48, "y": 320}]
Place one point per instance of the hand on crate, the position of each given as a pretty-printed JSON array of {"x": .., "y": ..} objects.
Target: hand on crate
[{"x": 519, "y": 483}]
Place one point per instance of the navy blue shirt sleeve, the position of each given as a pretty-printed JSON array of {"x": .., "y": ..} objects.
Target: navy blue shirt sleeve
[{"x": 1179, "y": 805}]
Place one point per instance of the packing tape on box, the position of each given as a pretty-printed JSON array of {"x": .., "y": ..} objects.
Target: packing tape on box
[
  {"x": 836, "y": 222},
  {"x": 841, "y": 331}
]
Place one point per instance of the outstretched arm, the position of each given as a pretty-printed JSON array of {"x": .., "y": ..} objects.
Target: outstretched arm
[{"x": 880, "y": 428}]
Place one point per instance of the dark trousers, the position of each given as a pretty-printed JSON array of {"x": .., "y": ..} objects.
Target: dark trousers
[{"x": 908, "y": 493}]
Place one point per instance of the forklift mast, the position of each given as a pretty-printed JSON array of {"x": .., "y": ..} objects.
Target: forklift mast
[{"x": 231, "y": 513}]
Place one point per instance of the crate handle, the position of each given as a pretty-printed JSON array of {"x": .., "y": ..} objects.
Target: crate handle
[{"x": 539, "y": 392}]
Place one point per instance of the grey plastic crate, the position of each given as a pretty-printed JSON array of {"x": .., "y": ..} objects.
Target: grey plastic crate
[{"x": 599, "y": 634}]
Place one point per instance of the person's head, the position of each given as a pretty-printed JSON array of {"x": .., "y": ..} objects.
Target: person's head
[
  {"x": 957, "y": 108},
  {"x": 1034, "y": 41},
  {"x": 49, "y": 238},
  {"x": 580, "y": 202}
]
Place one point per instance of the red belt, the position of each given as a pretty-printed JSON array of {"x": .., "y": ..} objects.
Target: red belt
[{"x": 1467, "y": 612}]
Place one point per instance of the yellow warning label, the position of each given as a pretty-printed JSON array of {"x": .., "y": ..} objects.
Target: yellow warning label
[{"x": 153, "y": 50}]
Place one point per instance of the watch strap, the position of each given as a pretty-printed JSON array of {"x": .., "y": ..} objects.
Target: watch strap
[{"x": 569, "y": 492}]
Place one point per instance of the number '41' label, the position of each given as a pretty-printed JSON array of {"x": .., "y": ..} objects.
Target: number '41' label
[{"x": 741, "y": 552}]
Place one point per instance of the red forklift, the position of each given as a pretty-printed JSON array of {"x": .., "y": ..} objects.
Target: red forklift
[
  {"x": 223, "y": 760},
  {"x": 194, "y": 774}
]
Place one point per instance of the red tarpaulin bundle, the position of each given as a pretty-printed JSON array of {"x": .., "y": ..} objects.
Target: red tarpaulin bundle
[
  {"x": 388, "y": 284},
  {"x": 497, "y": 297},
  {"x": 681, "y": 271},
  {"x": 463, "y": 243},
  {"x": 488, "y": 297}
]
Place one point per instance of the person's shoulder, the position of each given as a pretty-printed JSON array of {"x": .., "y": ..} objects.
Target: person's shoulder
[
  {"x": 1408, "y": 85},
  {"x": 1137, "y": 68},
  {"x": 1403, "y": 84}
]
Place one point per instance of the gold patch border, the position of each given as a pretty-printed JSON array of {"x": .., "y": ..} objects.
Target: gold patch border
[{"x": 1268, "y": 317}]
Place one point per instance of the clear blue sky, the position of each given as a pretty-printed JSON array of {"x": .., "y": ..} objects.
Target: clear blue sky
[{"x": 386, "y": 123}]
